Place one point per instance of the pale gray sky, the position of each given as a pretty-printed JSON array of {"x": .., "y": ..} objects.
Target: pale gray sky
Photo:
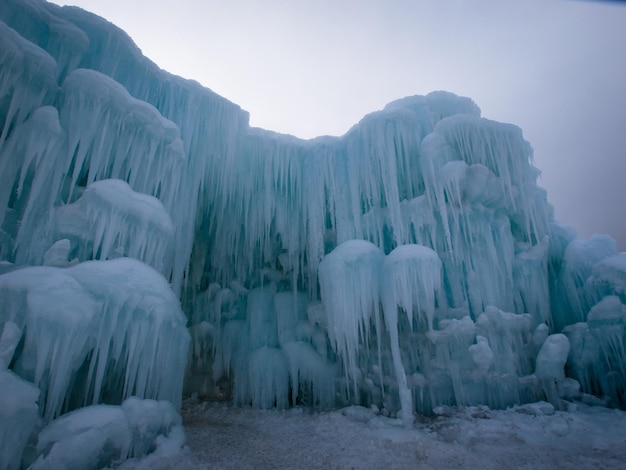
[{"x": 556, "y": 68}]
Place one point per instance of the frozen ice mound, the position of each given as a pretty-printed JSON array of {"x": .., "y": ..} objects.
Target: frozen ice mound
[
  {"x": 98, "y": 436},
  {"x": 19, "y": 417},
  {"x": 100, "y": 331}
]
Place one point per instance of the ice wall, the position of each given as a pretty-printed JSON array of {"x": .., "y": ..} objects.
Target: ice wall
[
  {"x": 455, "y": 272},
  {"x": 170, "y": 119}
]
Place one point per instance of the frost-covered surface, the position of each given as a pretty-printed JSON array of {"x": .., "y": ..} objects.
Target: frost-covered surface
[{"x": 533, "y": 436}]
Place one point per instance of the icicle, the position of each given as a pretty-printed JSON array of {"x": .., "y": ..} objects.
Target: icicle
[
  {"x": 110, "y": 220},
  {"x": 312, "y": 377},
  {"x": 349, "y": 284},
  {"x": 411, "y": 280},
  {"x": 268, "y": 379},
  {"x": 607, "y": 323},
  {"x": 27, "y": 79}
]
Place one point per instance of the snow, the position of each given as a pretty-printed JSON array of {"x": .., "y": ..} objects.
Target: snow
[{"x": 530, "y": 436}]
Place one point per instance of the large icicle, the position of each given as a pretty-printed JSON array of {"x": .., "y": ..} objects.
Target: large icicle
[
  {"x": 27, "y": 79},
  {"x": 410, "y": 281},
  {"x": 31, "y": 178},
  {"x": 110, "y": 220},
  {"x": 350, "y": 291}
]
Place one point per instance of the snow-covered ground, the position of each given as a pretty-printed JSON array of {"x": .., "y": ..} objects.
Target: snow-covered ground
[{"x": 220, "y": 436}]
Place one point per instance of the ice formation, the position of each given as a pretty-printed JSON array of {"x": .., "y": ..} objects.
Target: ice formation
[
  {"x": 19, "y": 417},
  {"x": 94, "y": 223},
  {"x": 97, "y": 436},
  {"x": 97, "y": 331},
  {"x": 411, "y": 263}
]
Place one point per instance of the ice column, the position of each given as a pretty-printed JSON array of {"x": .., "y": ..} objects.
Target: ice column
[
  {"x": 410, "y": 281},
  {"x": 349, "y": 284}
]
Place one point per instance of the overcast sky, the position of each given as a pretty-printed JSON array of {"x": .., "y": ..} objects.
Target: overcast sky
[{"x": 556, "y": 68}]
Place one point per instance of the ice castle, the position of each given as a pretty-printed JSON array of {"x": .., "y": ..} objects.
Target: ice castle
[{"x": 151, "y": 238}]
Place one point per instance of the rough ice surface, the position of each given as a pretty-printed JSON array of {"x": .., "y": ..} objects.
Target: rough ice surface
[{"x": 410, "y": 264}]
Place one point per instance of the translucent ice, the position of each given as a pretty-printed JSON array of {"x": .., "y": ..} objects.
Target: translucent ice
[{"x": 410, "y": 281}]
